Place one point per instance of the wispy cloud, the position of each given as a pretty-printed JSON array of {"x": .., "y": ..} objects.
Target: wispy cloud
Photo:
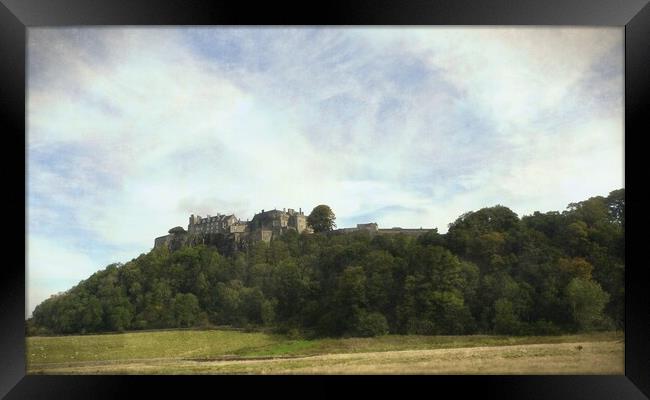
[{"x": 130, "y": 130}]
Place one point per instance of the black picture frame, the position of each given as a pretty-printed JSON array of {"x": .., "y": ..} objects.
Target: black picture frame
[{"x": 18, "y": 15}]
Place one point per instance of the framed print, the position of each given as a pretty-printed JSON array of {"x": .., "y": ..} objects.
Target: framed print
[{"x": 429, "y": 192}]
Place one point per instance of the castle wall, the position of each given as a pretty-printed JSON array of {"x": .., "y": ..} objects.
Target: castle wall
[
  {"x": 211, "y": 224},
  {"x": 279, "y": 221},
  {"x": 264, "y": 235},
  {"x": 405, "y": 231},
  {"x": 238, "y": 228},
  {"x": 161, "y": 241},
  {"x": 373, "y": 228},
  {"x": 301, "y": 223},
  {"x": 264, "y": 226}
]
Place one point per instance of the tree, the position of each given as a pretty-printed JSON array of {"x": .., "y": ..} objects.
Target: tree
[
  {"x": 576, "y": 268},
  {"x": 616, "y": 204},
  {"x": 505, "y": 318},
  {"x": 380, "y": 283},
  {"x": 591, "y": 211},
  {"x": 91, "y": 318},
  {"x": 370, "y": 324},
  {"x": 587, "y": 301},
  {"x": 492, "y": 272},
  {"x": 321, "y": 219},
  {"x": 185, "y": 307},
  {"x": 431, "y": 238},
  {"x": 117, "y": 310},
  {"x": 449, "y": 314},
  {"x": 350, "y": 297},
  {"x": 229, "y": 301},
  {"x": 463, "y": 233},
  {"x": 177, "y": 229}
]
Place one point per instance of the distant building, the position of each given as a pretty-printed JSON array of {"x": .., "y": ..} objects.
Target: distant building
[
  {"x": 215, "y": 224},
  {"x": 265, "y": 226},
  {"x": 268, "y": 225},
  {"x": 373, "y": 228}
]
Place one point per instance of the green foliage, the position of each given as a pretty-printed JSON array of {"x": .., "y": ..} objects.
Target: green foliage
[
  {"x": 587, "y": 301},
  {"x": 371, "y": 324},
  {"x": 321, "y": 219},
  {"x": 546, "y": 273},
  {"x": 505, "y": 319},
  {"x": 185, "y": 308},
  {"x": 576, "y": 267},
  {"x": 177, "y": 229},
  {"x": 616, "y": 206}
]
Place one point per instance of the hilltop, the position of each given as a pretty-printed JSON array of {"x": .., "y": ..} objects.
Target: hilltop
[
  {"x": 492, "y": 272},
  {"x": 229, "y": 234}
]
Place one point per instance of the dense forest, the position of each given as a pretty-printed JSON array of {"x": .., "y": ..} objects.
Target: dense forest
[{"x": 492, "y": 272}]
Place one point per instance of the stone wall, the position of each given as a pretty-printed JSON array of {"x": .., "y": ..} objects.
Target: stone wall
[
  {"x": 238, "y": 227},
  {"x": 265, "y": 226},
  {"x": 374, "y": 229},
  {"x": 211, "y": 224},
  {"x": 405, "y": 231},
  {"x": 278, "y": 222},
  {"x": 258, "y": 235},
  {"x": 161, "y": 241}
]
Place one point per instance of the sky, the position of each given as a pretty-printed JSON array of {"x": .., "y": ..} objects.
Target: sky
[{"x": 130, "y": 130}]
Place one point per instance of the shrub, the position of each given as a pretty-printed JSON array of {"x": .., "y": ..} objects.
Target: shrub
[
  {"x": 177, "y": 229},
  {"x": 371, "y": 324},
  {"x": 587, "y": 301},
  {"x": 294, "y": 334},
  {"x": 185, "y": 307},
  {"x": 505, "y": 320},
  {"x": 420, "y": 327},
  {"x": 541, "y": 327}
]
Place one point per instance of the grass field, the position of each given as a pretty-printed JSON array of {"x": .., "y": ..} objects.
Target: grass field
[{"x": 232, "y": 352}]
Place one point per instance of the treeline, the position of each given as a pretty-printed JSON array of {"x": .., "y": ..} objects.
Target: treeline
[{"x": 547, "y": 273}]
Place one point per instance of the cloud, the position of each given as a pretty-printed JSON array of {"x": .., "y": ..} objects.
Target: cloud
[{"x": 130, "y": 130}]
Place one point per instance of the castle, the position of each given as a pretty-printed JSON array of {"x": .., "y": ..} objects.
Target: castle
[{"x": 265, "y": 226}]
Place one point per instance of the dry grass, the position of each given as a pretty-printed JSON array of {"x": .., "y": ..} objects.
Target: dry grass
[
  {"x": 220, "y": 352},
  {"x": 143, "y": 345}
]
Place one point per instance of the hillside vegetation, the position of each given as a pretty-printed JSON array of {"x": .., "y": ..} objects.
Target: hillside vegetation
[{"x": 493, "y": 272}]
